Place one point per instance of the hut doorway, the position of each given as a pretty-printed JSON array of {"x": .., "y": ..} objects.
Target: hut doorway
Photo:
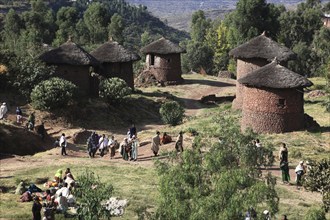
[{"x": 152, "y": 59}]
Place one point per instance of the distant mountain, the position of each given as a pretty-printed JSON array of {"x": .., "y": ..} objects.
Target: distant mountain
[{"x": 178, "y": 13}]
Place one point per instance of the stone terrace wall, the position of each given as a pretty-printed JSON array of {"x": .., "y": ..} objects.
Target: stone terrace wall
[
  {"x": 263, "y": 112},
  {"x": 244, "y": 67},
  {"x": 166, "y": 68}
]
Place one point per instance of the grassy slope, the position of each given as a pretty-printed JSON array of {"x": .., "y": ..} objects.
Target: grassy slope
[{"x": 138, "y": 183}]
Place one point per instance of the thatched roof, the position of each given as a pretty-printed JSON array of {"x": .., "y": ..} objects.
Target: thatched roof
[
  {"x": 162, "y": 46},
  {"x": 263, "y": 47},
  {"x": 274, "y": 75},
  {"x": 68, "y": 53},
  {"x": 113, "y": 52}
]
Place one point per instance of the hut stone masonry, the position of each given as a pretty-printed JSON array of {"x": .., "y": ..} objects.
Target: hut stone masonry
[
  {"x": 116, "y": 61},
  {"x": 72, "y": 63},
  {"x": 326, "y": 20},
  {"x": 254, "y": 54},
  {"x": 273, "y": 100},
  {"x": 163, "y": 60}
]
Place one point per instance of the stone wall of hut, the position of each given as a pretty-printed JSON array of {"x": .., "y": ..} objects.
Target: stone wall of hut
[
  {"x": 244, "y": 67},
  {"x": 121, "y": 70},
  {"x": 78, "y": 75},
  {"x": 166, "y": 68},
  {"x": 326, "y": 22},
  {"x": 268, "y": 110}
]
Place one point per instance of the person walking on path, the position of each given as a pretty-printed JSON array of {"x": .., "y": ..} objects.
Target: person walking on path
[
  {"x": 284, "y": 163},
  {"x": 300, "y": 171},
  {"x": 179, "y": 143},
  {"x": 63, "y": 144},
  {"x": 135, "y": 146},
  {"x": 3, "y": 110},
  {"x": 155, "y": 143},
  {"x": 19, "y": 115}
]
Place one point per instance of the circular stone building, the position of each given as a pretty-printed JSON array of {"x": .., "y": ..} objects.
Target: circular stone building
[
  {"x": 273, "y": 99},
  {"x": 116, "y": 61},
  {"x": 72, "y": 63},
  {"x": 163, "y": 60},
  {"x": 252, "y": 55}
]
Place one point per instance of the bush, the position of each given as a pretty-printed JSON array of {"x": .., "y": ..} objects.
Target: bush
[
  {"x": 315, "y": 214},
  {"x": 113, "y": 90},
  {"x": 53, "y": 94},
  {"x": 171, "y": 112},
  {"x": 90, "y": 195}
]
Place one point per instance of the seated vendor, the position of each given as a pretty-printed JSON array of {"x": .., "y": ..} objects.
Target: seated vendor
[{"x": 166, "y": 138}]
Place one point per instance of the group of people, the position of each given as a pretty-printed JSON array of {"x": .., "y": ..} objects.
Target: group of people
[
  {"x": 56, "y": 198},
  {"x": 102, "y": 143},
  {"x": 157, "y": 141}
]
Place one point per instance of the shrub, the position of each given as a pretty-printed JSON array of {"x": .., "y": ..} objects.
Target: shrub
[
  {"x": 114, "y": 90},
  {"x": 53, "y": 94},
  {"x": 90, "y": 195},
  {"x": 171, "y": 112},
  {"x": 315, "y": 214}
]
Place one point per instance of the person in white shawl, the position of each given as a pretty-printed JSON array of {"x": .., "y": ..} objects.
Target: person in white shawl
[
  {"x": 3, "y": 110},
  {"x": 135, "y": 146},
  {"x": 103, "y": 143},
  {"x": 300, "y": 171}
]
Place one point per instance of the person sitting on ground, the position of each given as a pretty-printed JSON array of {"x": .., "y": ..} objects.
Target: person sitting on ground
[
  {"x": 21, "y": 188},
  {"x": 284, "y": 217},
  {"x": 68, "y": 178},
  {"x": 155, "y": 143},
  {"x": 41, "y": 131},
  {"x": 179, "y": 142},
  {"x": 47, "y": 196},
  {"x": 258, "y": 144},
  {"x": 19, "y": 115},
  {"x": 166, "y": 138},
  {"x": 26, "y": 197},
  {"x": 36, "y": 208},
  {"x": 63, "y": 191},
  {"x": 58, "y": 176},
  {"x": 300, "y": 171}
]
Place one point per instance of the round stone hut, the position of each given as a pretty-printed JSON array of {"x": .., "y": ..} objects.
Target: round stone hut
[
  {"x": 72, "y": 63},
  {"x": 252, "y": 55},
  {"x": 116, "y": 61},
  {"x": 163, "y": 60},
  {"x": 273, "y": 99}
]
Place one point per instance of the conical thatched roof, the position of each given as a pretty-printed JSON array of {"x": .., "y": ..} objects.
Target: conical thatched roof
[
  {"x": 274, "y": 75},
  {"x": 162, "y": 46},
  {"x": 263, "y": 47},
  {"x": 68, "y": 53},
  {"x": 113, "y": 52}
]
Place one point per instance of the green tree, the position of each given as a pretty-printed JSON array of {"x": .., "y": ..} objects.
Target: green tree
[
  {"x": 145, "y": 38},
  {"x": 52, "y": 94},
  {"x": 90, "y": 195},
  {"x": 113, "y": 90},
  {"x": 221, "y": 183},
  {"x": 171, "y": 112},
  {"x": 318, "y": 180},
  {"x": 12, "y": 29},
  {"x": 315, "y": 214},
  {"x": 321, "y": 47},
  {"x": 25, "y": 73},
  {"x": 116, "y": 28},
  {"x": 198, "y": 56},
  {"x": 96, "y": 19},
  {"x": 66, "y": 19},
  {"x": 199, "y": 26},
  {"x": 250, "y": 19}
]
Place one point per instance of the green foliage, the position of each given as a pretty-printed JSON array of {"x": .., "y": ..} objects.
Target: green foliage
[
  {"x": 315, "y": 214},
  {"x": 12, "y": 29},
  {"x": 66, "y": 18},
  {"x": 113, "y": 90},
  {"x": 199, "y": 26},
  {"x": 116, "y": 28},
  {"x": 171, "y": 112},
  {"x": 220, "y": 183},
  {"x": 54, "y": 93},
  {"x": 25, "y": 73},
  {"x": 90, "y": 194},
  {"x": 318, "y": 180}
]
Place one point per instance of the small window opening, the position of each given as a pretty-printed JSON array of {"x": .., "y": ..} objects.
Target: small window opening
[
  {"x": 168, "y": 60},
  {"x": 281, "y": 103},
  {"x": 152, "y": 60}
]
